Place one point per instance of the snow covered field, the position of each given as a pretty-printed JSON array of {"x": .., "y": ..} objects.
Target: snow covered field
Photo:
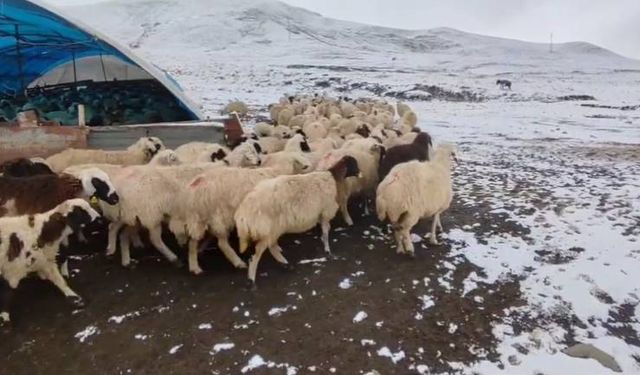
[{"x": 548, "y": 189}]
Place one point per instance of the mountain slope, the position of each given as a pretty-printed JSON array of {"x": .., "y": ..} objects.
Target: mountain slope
[{"x": 271, "y": 26}]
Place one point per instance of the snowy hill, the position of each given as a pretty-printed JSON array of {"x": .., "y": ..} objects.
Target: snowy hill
[
  {"x": 255, "y": 49},
  {"x": 270, "y": 26}
]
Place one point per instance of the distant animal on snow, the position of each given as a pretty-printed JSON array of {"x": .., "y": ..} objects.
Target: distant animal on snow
[{"x": 504, "y": 83}]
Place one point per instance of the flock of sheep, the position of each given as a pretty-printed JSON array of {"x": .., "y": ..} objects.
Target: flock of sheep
[{"x": 286, "y": 176}]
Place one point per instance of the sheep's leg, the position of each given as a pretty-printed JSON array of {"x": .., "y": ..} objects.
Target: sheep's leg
[
  {"x": 433, "y": 239},
  {"x": 439, "y": 223},
  {"x": 134, "y": 237},
  {"x": 255, "y": 259},
  {"x": 276, "y": 252},
  {"x": 366, "y": 206},
  {"x": 194, "y": 266},
  {"x": 6, "y": 296},
  {"x": 398, "y": 236},
  {"x": 326, "y": 226},
  {"x": 345, "y": 212},
  {"x": 125, "y": 247},
  {"x": 155, "y": 235},
  {"x": 114, "y": 228},
  {"x": 64, "y": 268},
  {"x": 229, "y": 253},
  {"x": 53, "y": 274},
  {"x": 406, "y": 238}
]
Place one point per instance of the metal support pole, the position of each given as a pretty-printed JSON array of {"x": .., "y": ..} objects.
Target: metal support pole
[
  {"x": 104, "y": 71},
  {"x": 19, "y": 57},
  {"x": 75, "y": 73}
]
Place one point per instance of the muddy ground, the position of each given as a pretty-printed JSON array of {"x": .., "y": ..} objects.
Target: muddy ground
[
  {"x": 421, "y": 313},
  {"x": 164, "y": 307}
]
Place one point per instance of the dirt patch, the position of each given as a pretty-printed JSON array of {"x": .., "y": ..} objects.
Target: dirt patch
[{"x": 138, "y": 316}]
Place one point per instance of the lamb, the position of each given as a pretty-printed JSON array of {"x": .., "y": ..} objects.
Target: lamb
[
  {"x": 193, "y": 152},
  {"x": 270, "y": 145},
  {"x": 365, "y": 184},
  {"x": 210, "y": 200},
  {"x": 322, "y": 146},
  {"x": 263, "y": 129},
  {"x": 402, "y": 109},
  {"x": 281, "y": 160},
  {"x": 285, "y": 115},
  {"x": 418, "y": 150},
  {"x": 236, "y": 106},
  {"x": 31, "y": 243},
  {"x": 41, "y": 193},
  {"x": 297, "y": 143},
  {"x": 396, "y": 138},
  {"x": 416, "y": 190},
  {"x": 139, "y": 153},
  {"x": 315, "y": 130},
  {"x": 289, "y": 204},
  {"x": 23, "y": 167},
  {"x": 300, "y": 120},
  {"x": 408, "y": 121},
  {"x": 165, "y": 157}
]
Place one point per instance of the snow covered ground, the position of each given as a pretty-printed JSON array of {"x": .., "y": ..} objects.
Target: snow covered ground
[{"x": 565, "y": 174}]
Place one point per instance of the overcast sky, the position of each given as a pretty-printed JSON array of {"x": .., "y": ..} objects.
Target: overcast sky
[{"x": 613, "y": 24}]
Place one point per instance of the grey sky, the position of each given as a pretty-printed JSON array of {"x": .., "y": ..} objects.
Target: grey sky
[{"x": 613, "y": 24}]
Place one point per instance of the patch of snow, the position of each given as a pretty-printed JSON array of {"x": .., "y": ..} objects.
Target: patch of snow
[
  {"x": 360, "y": 316},
  {"x": 174, "y": 349},
  {"x": 255, "y": 362},
  {"x": 222, "y": 346},
  {"x": 427, "y": 302},
  {"x": 276, "y": 311},
  {"x": 367, "y": 342},
  {"x": 345, "y": 284},
  {"x": 86, "y": 333},
  {"x": 204, "y": 326},
  {"x": 395, "y": 357},
  {"x": 315, "y": 260}
]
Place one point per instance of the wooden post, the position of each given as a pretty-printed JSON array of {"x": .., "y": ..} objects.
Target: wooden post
[{"x": 81, "y": 117}]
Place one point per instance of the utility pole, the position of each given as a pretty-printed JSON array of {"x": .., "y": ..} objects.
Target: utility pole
[{"x": 551, "y": 43}]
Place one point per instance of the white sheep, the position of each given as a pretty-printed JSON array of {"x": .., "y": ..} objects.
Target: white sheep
[
  {"x": 297, "y": 143},
  {"x": 263, "y": 129},
  {"x": 208, "y": 202},
  {"x": 236, "y": 106},
  {"x": 408, "y": 121},
  {"x": 416, "y": 190},
  {"x": 402, "y": 109},
  {"x": 271, "y": 144},
  {"x": 31, "y": 243},
  {"x": 285, "y": 115},
  {"x": 193, "y": 152},
  {"x": 165, "y": 157},
  {"x": 315, "y": 130},
  {"x": 147, "y": 196},
  {"x": 289, "y": 204},
  {"x": 139, "y": 153}
]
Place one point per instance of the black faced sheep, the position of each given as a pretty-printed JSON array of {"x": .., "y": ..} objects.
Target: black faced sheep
[{"x": 417, "y": 150}]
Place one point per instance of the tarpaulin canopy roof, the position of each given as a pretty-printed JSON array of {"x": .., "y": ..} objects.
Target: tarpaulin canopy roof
[{"x": 35, "y": 38}]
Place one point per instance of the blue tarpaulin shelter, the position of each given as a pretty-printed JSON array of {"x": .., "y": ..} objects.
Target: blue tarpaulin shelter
[{"x": 35, "y": 39}]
